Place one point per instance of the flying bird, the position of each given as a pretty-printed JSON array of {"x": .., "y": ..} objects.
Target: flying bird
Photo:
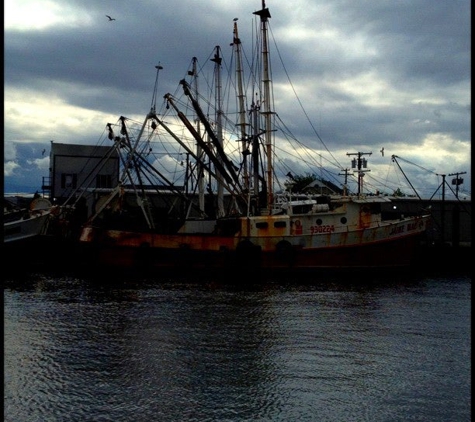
[
  {"x": 43, "y": 153},
  {"x": 110, "y": 19},
  {"x": 382, "y": 151}
]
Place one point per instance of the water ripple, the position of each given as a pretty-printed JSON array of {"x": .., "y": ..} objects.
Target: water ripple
[{"x": 165, "y": 351}]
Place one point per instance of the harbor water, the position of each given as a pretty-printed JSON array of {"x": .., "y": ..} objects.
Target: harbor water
[{"x": 328, "y": 348}]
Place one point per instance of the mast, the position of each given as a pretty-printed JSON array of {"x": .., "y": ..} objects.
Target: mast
[
  {"x": 230, "y": 178},
  {"x": 255, "y": 156},
  {"x": 267, "y": 103},
  {"x": 143, "y": 201},
  {"x": 228, "y": 170},
  {"x": 242, "y": 110},
  {"x": 154, "y": 96},
  {"x": 199, "y": 150},
  {"x": 219, "y": 126},
  {"x": 133, "y": 162},
  {"x": 230, "y": 188}
]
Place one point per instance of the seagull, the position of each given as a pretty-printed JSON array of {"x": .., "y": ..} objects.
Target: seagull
[
  {"x": 382, "y": 151},
  {"x": 110, "y": 19}
]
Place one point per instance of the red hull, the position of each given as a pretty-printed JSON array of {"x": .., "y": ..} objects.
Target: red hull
[{"x": 394, "y": 253}]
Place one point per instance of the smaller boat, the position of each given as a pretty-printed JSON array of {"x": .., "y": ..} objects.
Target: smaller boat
[
  {"x": 25, "y": 223},
  {"x": 35, "y": 236}
]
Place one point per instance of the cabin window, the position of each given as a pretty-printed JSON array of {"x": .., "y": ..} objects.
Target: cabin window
[
  {"x": 280, "y": 224},
  {"x": 69, "y": 180},
  {"x": 262, "y": 225},
  {"x": 302, "y": 209},
  {"x": 365, "y": 209},
  {"x": 375, "y": 209},
  {"x": 343, "y": 220},
  {"x": 319, "y": 221},
  {"x": 103, "y": 181}
]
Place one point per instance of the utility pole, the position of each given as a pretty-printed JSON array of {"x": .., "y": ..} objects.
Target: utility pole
[
  {"x": 359, "y": 163},
  {"x": 442, "y": 211},
  {"x": 345, "y": 186},
  {"x": 457, "y": 182}
]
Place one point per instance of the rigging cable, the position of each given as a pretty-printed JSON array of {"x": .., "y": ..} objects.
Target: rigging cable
[{"x": 298, "y": 99}]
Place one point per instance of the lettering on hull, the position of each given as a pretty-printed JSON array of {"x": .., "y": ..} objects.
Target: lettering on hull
[{"x": 409, "y": 227}]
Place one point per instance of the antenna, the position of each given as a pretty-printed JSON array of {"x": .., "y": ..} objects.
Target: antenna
[{"x": 154, "y": 97}]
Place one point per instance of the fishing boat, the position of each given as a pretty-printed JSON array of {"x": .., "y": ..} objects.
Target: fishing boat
[{"x": 231, "y": 208}]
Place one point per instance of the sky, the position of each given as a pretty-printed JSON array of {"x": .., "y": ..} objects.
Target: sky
[{"x": 370, "y": 74}]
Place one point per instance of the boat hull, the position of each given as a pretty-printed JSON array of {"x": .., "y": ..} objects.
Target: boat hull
[
  {"x": 387, "y": 245},
  {"x": 25, "y": 228}
]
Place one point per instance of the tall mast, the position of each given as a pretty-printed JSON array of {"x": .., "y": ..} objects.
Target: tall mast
[
  {"x": 267, "y": 103},
  {"x": 228, "y": 170},
  {"x": 132, "y": 157},
  {"x": 255, "y": 107},
  {"x": 219, "y": 125},
  {"x": 242, "y": 110},
  {"x": 199, "y": 150}
]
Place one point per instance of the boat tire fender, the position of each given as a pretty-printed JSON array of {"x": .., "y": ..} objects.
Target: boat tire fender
[
  {"x": 247, "y": 252},
  {"x": 143, "y": 255},
  {"x": 285, "y": 252}
]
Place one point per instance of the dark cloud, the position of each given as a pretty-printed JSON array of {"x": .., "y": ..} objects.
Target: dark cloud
[{"x": 415, "y": 56}]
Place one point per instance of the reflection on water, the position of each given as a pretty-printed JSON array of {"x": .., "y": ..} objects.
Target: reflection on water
[{"x": 281, "y": 350}]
